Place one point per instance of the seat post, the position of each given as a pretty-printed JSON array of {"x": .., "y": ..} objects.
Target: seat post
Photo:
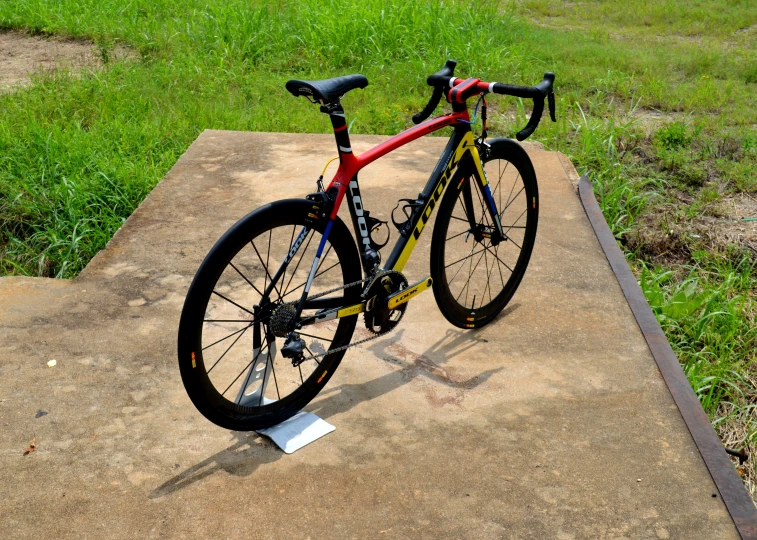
[{"x": 339, "y": 123}]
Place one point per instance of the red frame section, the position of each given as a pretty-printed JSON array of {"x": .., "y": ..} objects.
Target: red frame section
[{"x": 350, "y": 164}]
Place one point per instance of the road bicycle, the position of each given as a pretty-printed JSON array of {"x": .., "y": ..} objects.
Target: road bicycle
[{"x": 275, "y": 304}]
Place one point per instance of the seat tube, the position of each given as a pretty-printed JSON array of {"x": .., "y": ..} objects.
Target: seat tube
[{"x": 339, "y": 123}]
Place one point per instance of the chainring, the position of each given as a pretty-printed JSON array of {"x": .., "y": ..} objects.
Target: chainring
[{"x": 377, "y": 316}]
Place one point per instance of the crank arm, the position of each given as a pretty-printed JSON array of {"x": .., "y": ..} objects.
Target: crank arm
[{"x": 405, "y": 295}]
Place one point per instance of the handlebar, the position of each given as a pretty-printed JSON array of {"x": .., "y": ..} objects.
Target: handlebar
[
  {"x": 438, "y": 80},
  {"x": 444, "y": 83}
]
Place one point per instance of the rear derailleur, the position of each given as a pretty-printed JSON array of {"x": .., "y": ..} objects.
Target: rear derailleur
[{"x": 293, "y": 348}]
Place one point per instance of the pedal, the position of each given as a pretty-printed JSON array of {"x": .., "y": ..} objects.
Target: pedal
[{"x": 405, "y": 295}]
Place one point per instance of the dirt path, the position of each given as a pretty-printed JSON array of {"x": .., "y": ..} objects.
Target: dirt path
[{"x": 21, "y": 55}]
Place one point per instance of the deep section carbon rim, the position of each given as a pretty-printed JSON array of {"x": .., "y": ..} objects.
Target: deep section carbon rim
[{"x": 476, "y": 269}]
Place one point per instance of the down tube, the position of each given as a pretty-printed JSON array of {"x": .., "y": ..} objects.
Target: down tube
[{"x": 430, "y": 196}]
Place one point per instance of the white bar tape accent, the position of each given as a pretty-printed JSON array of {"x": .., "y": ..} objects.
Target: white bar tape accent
[
  {"x": 491, "y": 87},
  {"x": 337, "y": 114},
  {"x": 347, "y": 150},
  {"x": 452, "y": 82}
]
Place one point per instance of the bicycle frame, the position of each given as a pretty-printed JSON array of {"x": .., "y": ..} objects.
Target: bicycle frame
[
  {"x": 345, "y": 180},
  {"x": 460, "y": 148}
]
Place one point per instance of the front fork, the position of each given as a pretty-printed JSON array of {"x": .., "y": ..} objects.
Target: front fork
[{"x": 480, "y": 231}]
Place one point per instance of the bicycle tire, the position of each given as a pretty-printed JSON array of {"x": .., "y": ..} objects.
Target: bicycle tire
[
  {"x": 521, "y": 206},
  {"x": 200, "y": 386}
]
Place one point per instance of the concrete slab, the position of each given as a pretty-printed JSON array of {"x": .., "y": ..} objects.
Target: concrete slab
[{"x": 552, "y": 422}]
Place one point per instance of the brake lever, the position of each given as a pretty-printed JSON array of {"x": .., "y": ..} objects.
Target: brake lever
[{"x": 551, "y": 102}]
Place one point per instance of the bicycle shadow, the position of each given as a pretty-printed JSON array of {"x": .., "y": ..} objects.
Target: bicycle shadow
[
  {"x": 242, "y": 458},
  {"x": 251, "y": 450}
]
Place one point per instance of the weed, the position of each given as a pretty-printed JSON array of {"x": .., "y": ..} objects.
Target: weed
[{"x": 673, "y": 136}]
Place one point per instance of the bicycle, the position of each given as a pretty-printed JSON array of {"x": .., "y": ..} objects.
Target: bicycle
[{"x": 253, "y": 289}]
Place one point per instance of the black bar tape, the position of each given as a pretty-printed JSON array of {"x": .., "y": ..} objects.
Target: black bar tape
[
  {"x": 533, "y": 122},
  {"x": 438, "y": 80},
  {"x": 436, "y": 97}
]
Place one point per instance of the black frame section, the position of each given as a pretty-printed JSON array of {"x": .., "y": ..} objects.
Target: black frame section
[{"x": 425, "y": 196}]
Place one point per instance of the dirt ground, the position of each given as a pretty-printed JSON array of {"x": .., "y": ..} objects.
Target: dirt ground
[{"x": 21, "y": 55}]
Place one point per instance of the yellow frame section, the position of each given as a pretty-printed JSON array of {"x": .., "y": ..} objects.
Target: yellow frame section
[
  {"x": 351, "y": 310},
  {"x": 467, "y": 144}
]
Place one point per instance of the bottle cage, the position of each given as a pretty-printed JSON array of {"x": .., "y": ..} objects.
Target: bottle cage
[
  {"x": 408, "y": 208},
  {"x": 374, "y": 224}
]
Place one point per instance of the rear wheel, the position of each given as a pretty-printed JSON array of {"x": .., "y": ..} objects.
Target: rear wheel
[
  {"x": 474, "y": 277},
  {"x": 229, "y": 330}
]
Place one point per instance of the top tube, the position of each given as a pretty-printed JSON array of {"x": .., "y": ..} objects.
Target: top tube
[{"x": 410, "y": 135}]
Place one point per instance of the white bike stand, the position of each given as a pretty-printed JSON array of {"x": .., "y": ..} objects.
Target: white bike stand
[
  {"x": 292, "y": 434},
  {"x": 298, "y": 431}
]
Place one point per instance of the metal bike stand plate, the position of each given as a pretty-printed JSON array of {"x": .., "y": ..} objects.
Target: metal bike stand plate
[{"x": 298, "y": 431}]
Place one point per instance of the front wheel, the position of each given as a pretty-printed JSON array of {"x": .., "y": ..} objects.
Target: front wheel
[
  {"x": 240, "y": 304},
  {"x": 476, "y": 275}
]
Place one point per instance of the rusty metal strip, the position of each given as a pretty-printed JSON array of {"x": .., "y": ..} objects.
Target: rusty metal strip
[{"x": 732, "y": 490}]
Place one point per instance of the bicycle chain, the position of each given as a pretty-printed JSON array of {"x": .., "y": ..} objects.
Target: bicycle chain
[
  {"x": 345, "y": 347},
  {"x": 355, "y": 344}
]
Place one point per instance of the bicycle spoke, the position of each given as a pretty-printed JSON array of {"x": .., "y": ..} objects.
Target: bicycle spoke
[
  {"x": 500, "y": 260},
  {"x": 227, "y": 337},
  {"x": 232, "y": 302},
  {"x": 302, "y": 255},
  {"x": 466, "y": 257},
  {"x": 316, "y": 337},
  {"x": 245, "y": 278},
  {"x": 470, "y": 273},
  {"x": 275, "y": 382},
  {"x": 311, "y": 354},
  {"x": 484, "y": 210},
  {"x": 227, "y": 350},
  {"x": 461, "y": 267},
  {"x": 265, "y": 267},
  {"x": 511, "y": 202},
  {"x": 486, "y": 264},
  {"x": 515, "y": 183},
  {"x": 284, "y": 273},
  {"x": 247, "y": 378},
  {"x": 268, "y": 360},
  {"x": 516, "y": 221},
  {"x": 458, "y": 234},
  {"x": 465, "y": 210},
  {"x": 496, "y": 254},
  {"x": 240, "y": 374},
  {"x": 316, "y": 276},
  {"x": 267, "y": 258}
]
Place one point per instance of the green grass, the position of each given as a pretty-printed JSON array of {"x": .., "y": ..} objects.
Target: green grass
[{"x": 655, "y": 102}]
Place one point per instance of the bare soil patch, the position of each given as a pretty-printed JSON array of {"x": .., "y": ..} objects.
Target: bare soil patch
[
  {"x": 21, "y": 55},
  {"x": 661, "y": 238}
]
